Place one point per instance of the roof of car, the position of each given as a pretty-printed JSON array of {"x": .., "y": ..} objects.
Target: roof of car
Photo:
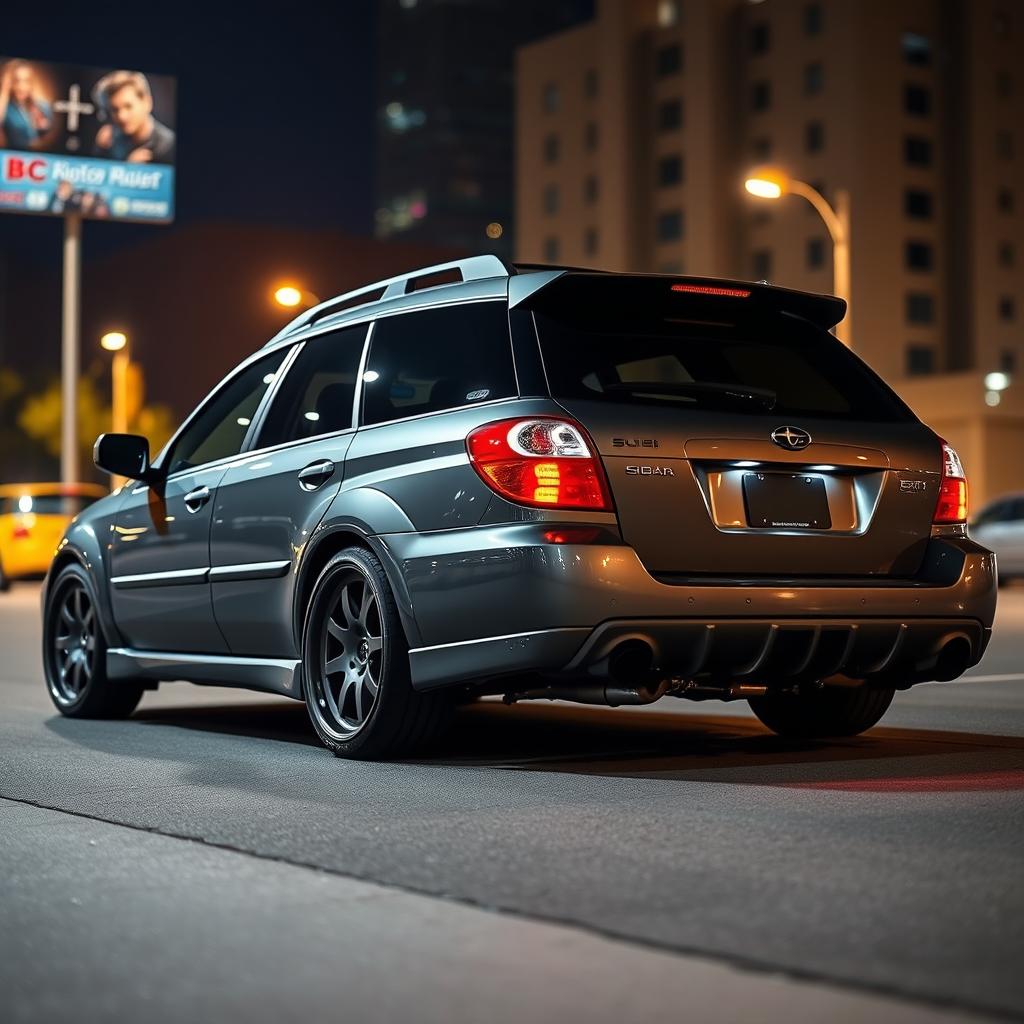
[
  {"x": 471, "y": 277},
  {"x": 34, "y": 490}
]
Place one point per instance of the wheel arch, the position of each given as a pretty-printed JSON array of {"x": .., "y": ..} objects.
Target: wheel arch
[
  {"x": 88, "y": 557},
  {"x": 329, "y": 539}
]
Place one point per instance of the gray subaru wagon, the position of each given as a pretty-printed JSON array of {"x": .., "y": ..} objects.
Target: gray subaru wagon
[{"x": 538, "y": 482}]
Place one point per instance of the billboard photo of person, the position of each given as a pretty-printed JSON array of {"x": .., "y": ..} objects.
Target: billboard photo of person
[
  {"x": 26, "y": 118},
  {"x": 134, "y": 134}
]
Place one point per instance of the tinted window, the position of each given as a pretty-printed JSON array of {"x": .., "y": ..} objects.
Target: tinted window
[
  {"x": 633, "y": 344},
  {"x": 219, "y": 429},
  {"x": 438, "y": 359},
  {"x": 317, "y": 394}
]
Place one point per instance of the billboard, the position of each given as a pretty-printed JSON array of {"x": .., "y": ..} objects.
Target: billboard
[{"x": 101, "y": 142}]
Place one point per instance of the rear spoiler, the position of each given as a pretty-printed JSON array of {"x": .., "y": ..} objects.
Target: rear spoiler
[{"x": 823, "y": 310}]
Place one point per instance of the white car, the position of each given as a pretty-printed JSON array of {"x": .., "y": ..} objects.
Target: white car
[{"x": 1000, "y": 526}]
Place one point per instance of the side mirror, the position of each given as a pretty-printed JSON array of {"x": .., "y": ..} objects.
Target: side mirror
[{"x": 123, "y": 455}]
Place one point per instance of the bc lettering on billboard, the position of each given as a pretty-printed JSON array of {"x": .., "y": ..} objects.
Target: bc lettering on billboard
[{"x": 101, "y": 143}]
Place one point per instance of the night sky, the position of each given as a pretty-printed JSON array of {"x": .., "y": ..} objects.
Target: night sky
[{"x": 275, "y": 107}]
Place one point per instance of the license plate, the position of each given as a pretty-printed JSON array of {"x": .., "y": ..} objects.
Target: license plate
[{"x": 783, "y": 501}]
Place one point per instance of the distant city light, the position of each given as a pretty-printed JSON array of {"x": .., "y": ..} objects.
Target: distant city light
[
  {"x": 288, "y": 296},
  {"x": 495, "y": 230},
  {"x": 114, "y": 341},
  {"x": 997, "y": 381},
  {"x": 993, "y": 398}
]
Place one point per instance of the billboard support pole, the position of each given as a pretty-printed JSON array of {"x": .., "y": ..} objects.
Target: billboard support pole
[{"x": 70, "y": 316}]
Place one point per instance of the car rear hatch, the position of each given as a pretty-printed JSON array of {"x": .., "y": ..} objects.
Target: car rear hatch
[{"x": 739, "y": 437}]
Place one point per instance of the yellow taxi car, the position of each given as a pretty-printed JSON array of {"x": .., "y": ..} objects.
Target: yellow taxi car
[{"x": 33, "y": 518}]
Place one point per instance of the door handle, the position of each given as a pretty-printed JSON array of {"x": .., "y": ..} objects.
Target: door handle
[
  {"x": 315, "y": 475},
  {"x": 196, "y": 499}
]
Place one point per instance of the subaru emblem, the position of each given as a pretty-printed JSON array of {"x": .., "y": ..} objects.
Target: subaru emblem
[{"x": 792, "y": 438}]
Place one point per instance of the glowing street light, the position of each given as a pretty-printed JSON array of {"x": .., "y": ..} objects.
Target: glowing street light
[
  {"x": 773, "y": 183},
  {"x": 117, "y": 342},
  {"x": 291, "y": 296},
  {"x": 114, "y": 341}
]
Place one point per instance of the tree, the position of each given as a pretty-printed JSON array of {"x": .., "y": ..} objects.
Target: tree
[{"x": 41, "y": 415}]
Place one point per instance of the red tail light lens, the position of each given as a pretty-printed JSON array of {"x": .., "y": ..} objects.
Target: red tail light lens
[
  {"x": 543, "y": 462},
  {"x": 21, "y": 532},
  {"x": 952, "y": 504}
]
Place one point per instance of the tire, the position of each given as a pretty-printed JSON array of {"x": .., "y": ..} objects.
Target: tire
[
  {"x": 74, "y": 653},
  {"x": 5, "y": 580},
  {"x": 355, "y": 661},
  {"x": 821, "y": 714}
]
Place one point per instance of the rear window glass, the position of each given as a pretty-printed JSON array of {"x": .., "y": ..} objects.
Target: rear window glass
[
  {"x": 716, "y": 356},
  {"x": 46, "y": 504}
]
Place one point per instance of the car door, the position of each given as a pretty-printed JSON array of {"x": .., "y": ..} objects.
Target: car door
[
  {"x": 160, "y": 544},
  {"x": 269, "y": 503}
]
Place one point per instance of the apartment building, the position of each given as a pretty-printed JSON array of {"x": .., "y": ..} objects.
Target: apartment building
[{"x": 635, "y": 133}]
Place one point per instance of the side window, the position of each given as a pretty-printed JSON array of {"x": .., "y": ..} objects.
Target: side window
[
  {"x": 219, "y": 429},
  {"x": 316, "y": 395},
  {"x": 438, "y": 359}
]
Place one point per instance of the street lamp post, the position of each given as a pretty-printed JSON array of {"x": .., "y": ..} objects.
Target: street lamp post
[
  {"x": 771, "y": 183},
  {"x": 117, "y": 342}
]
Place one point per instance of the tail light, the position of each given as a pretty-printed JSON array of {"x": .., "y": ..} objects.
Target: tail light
[
  {"x": 543, "y": 462},
  {"x": 952, "y": 504},
  {"x": 21, "y": 532}
]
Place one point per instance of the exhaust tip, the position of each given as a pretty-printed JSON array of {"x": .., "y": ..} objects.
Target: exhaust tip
[
  {"x": 953, "y": 659},
  {"x": 631, "y": 662}
]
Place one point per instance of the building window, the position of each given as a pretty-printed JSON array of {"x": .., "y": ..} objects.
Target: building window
[
  {"x": 917, "y": 151},
  {"x": 814, "y": 19},
  {"x": 551, "y": 149},
  {"x": 761, "y": 262},
  {"x": 814, "y": 136},
  {"x": 551, "y": 249},
  {"x": 1004, "y": 145},
  {"x": 590, "y": 188},
  {"x": 760, "y": 95},
  {"x": 670, "y": 115},
  {"x": 552, "y": 98},
  {"x": 920, "y": 308},
  {"x": 917, "y": 49},
  {"x": 1004, "y": 200},
  {"x": 670, "y": 170},
  {"x": 761, "y": 147},
  {"x": 918, "y": 256},
  {"x": 917, "y": 204},
  {"x": 551, "y": 199},
  {"x": 669, "y": 226},
  {"x": 917, "y": 100},
  {"x": 815, "y": 253},
  {"x": 590, "y": 136},
  {"x": 1004, "y": 84},
  {"x": 590, "y": 241},
  {"x": 668, "y": 60},
  {"x": 1006, "y": 254},
  {"x": 814, "y": 78},
  {"x": 760, "y": 38},
  {"x": 1007, "y": 308},
  {"x": 920, "y": 360},
  {"x": 590, "y": 83},
  {"x": 668, "y": 13}
]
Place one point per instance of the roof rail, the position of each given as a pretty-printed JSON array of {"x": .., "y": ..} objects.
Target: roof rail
[{"x": 472, "y": 268}]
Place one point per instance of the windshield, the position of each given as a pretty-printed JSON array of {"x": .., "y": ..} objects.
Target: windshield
[{"x": 738, "y": 360}]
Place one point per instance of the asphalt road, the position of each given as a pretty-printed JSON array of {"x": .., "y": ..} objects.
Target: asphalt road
[{"x": 206, "y": 860}]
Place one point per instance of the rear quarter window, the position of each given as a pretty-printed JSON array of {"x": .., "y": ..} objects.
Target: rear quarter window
[{"x": 435, "y": 359}]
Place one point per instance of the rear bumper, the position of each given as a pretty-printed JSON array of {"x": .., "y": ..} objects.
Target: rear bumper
[{"x": 520, "y": 606}]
